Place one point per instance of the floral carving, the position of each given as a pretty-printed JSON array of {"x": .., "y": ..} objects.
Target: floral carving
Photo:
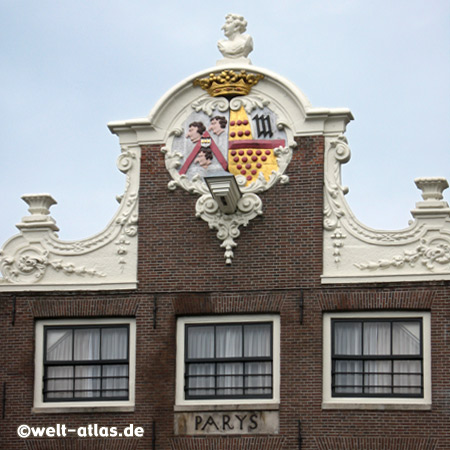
[
  {"x": 425, "y": 254},
  {"x": 30, "y": 265},
  {"x": 338, "y": 242}
]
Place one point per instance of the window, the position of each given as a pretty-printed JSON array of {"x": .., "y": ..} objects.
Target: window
[
  {"x": 225, "y": 359},
  {"x": 85, "y": 363},
  {"x": 376, "y": 358}
]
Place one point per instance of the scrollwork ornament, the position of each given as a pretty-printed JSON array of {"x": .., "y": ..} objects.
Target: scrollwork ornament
[
  {"x": 227, "y": 225},
  {"x": 341, "y": 149},
  {"x": 130, "y": 229},
  {"x": 334, "y": 205},
  {"x": 208, "y": 105},
  {"x": 249, "y": 102},
  {"x": 338, "y": 214},
  {"x": 125, "y": 161},
  {"x": 30, "y": 264}
]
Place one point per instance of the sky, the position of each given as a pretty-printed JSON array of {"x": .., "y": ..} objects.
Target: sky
[{"x": 68, "y": 68}]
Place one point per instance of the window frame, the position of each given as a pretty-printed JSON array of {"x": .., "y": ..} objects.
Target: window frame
[
  {"x": 42, "y": 404},
  {"x": 182, "y": 325},
  {"x": 375, "y": 401},
  {"x": 91, "y": 362}
]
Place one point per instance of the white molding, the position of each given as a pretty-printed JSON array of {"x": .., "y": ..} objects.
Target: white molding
[
  {"x": 305, "y": 119},
  {"x": 86, "y": 406},
  {"x": 356, "y": 253},
  {"x": 69, "y": 287},
  {"x": 329, "y": 402},
  {"x": 37, "y": 260},
  {"x": 413, "y": 278},
  {"x": 180, "y": 401}
]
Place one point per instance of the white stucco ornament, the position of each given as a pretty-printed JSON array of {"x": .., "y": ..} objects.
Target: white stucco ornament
[
  {"x": 36, "y": 259},
  {"x": 356, "y": 253}
]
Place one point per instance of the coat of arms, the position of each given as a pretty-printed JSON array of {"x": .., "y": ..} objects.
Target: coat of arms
[{"x": 230, "y": 145}]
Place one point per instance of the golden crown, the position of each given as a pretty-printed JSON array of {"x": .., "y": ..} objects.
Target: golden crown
[{"x": 228, "y": 83}]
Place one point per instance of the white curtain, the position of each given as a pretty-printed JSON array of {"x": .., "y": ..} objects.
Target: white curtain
[
  {"x": 229, "y": 341},
  {"x": 87, "y": 348},
  {"x": 378, "y": 378},
  {"x": 87, "y": 380},
  {"x": 201, "y": 345},
  {"x": 257, "y": 343},
  {"x": 377, "y": 342},
  {"x": 59, "y": 348},
  {"x": 229, "y": 345},
  {"x": 115, "y": 346},
  {"x": 347, "y": 342},
  {"x": 407, "y": 373}
]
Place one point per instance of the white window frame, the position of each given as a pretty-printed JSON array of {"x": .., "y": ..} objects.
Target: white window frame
[
  {"x": 330, "y": 402},
  {"x": 39, "y": 405},
  {"x": 180, "y": 400}
]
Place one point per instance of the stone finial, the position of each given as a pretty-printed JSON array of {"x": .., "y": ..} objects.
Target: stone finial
[
  {"x": 39, "y": 209},
  {"x": 432, "y": 187},
  {"x": 237, "y": 45},
  {"x": 434, "y": 205}
]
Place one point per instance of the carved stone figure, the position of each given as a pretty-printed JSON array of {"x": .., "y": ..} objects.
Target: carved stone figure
[
  {"x": 204, "y": 158},
  {"x": 238, "y": 45}
]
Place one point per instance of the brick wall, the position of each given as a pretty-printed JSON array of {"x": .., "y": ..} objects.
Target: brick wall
[{"x": 182, "y": 272}]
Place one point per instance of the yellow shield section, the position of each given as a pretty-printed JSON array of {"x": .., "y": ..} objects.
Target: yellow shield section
[{"x": 243, "y": 159}]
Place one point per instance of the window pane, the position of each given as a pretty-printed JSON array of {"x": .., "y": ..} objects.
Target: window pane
[
  {"x": 200, "y": 379},
  {"x": 229, "y": 341},
  {"x": 377, "y": 338},
  {"x": 87, "y": 381},
  {"x": 257, "y": 340},
  {"x": 258, "y": 378},
  {"x": 406, "y": 337},
  {"x": 348, "y": 378},
  {"x": 60, "y": 379},
  {"x": 407, "y": 377},
  {"x": 59, "y": 345},
  {"x": 378, "y": 378},
  {"x": 87, "y": 342},
  {"x": 115, "y": 380},
  {"x": 228, "y": 360},
  {"x": 231, "y": 378},
  {"x": 200, "y": 342},
  {"x": 114, "y": 343},
  {"x": 347, "y": 338}
]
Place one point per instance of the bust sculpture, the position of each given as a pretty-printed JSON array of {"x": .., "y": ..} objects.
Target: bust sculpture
[{"x": 238, "y": 45}]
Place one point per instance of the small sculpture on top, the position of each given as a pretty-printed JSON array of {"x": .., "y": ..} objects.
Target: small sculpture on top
[{"x": 238, "y": 45}]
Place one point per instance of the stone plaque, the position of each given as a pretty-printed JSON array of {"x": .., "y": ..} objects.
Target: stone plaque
[{"x": 226, "y": 422}]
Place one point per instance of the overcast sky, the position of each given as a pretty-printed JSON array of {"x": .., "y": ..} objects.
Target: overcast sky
[{"x": 68, "y": 68}]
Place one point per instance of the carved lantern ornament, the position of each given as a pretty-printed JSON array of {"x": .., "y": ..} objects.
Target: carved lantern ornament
[{"x": 230, "y": 146}]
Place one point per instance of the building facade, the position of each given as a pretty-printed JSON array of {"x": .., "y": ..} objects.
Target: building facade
[{"x": 234, "y": 301}]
